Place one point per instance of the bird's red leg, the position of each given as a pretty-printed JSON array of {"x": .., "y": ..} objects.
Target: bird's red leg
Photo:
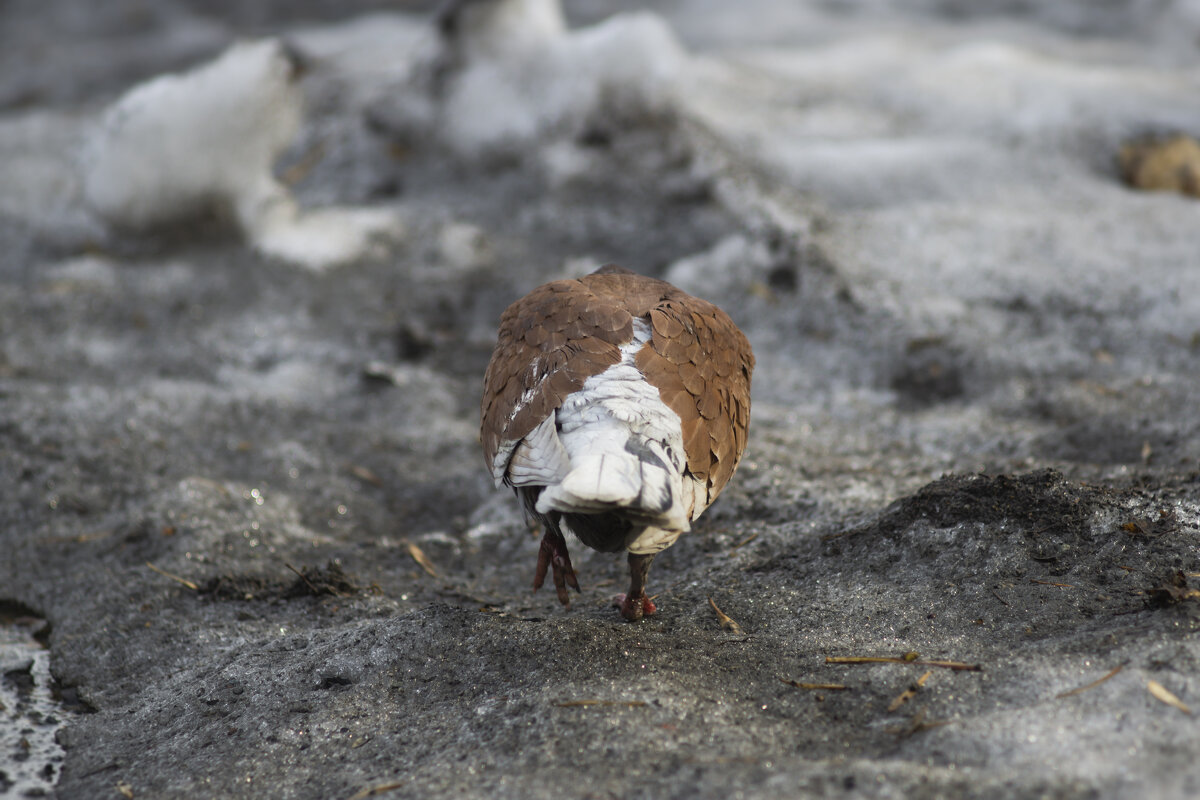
[
  {"x": 635, "y": 604},
  {"x": 553, "y": 553}
]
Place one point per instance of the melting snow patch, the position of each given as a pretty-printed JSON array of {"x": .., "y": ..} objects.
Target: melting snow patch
[
  {"x": 525, "y": 78},
  {"x": 30, "y": 717},
  {"x": 181, "y": 145}
]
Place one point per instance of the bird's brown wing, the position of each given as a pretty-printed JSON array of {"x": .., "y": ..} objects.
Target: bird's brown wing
[
  {"x": 550, "y": 342},
  {"x": 701, "y": 364}
]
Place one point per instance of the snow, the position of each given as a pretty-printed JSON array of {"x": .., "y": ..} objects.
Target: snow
[
  {"x": 183, "y": 145},
  {"x": 180, "y": 144},
  {"x": 548, "y": 82},
  {"x": 963, "y": 168}
]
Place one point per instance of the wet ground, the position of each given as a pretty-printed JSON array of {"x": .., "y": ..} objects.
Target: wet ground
[{"x": 248, "y": 502}]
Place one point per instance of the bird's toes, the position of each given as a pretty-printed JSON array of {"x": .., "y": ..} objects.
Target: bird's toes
[{"x": 634, "y": 608}]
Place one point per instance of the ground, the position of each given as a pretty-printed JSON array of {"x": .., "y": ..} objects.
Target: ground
[{"x": 246, "y": 523}]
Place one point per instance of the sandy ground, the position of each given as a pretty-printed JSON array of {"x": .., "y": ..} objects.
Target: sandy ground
[{"x": 245, "y": 514}]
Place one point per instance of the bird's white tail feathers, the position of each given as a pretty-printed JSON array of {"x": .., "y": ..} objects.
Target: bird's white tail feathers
[
  {"x": 612, "y": 445},
  {"x": 607, "y": 476}
]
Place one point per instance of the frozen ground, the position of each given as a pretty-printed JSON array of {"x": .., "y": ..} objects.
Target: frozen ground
[{"x": 248, "y": 499}]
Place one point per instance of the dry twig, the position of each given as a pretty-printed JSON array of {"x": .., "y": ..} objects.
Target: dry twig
[
  {"x": 365, "y": 474},
  {"x": 418, "y": 555},
  {"x": 918, "y": 723},
  {"x": 910, "y": 692},
  {"x": 304, "y": 578},
  {"x": 744, "y": 542},
  {"x": 1112, "y": 673},
  {"x": 726, "y": 621},
  {"x": 827, "y": 687},
  {"x": 308, "y": 160},
  {"x": 958, "y": 665},
  {"x": 165, "y": 574}
]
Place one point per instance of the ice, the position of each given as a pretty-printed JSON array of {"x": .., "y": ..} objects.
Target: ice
[
  {"x": 30, "y": 713},
  {"x": 364, "y": 55}
]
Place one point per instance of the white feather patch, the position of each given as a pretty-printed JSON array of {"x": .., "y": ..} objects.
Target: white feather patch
[
  {"x": 540, "y": 459},
  {"x": 625, "y": 447}
]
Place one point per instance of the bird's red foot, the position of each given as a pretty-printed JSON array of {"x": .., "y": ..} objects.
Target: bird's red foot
[
  {"x": 634, "y": 604},
  {"x": 634, "y": 608},
  {"x": 553, "y": 553}
]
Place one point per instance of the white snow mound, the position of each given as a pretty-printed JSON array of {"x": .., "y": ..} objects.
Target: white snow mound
[
  {"x": 186, "y": 144},
  {"x": 526, "y": 77}
]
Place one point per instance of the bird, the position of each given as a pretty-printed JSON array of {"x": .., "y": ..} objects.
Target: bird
[{"x": 616, "y": 406}]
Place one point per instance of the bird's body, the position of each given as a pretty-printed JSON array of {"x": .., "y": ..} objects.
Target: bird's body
[{"x": 616, "y": 406}]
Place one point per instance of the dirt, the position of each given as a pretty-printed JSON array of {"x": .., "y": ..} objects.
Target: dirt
[{"x": 250, "y": 504}]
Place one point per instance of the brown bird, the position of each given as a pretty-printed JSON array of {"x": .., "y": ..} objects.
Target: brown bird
[{"x": 616, "y": 406}]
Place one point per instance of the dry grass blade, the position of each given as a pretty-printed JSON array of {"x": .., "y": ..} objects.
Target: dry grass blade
[
  {"x": 189, "y": 584},
  {"x": 418, "y": 555},
  {"x": 606, "y": 703},
  {"x": 1164, "y": 695},
  {"x": 744, "y": 542},
  {"x": 726, "y": 621},
  {"x": 304, "y": 578},
  {"x": 910, "y": 692},
  {"x": 1112, "y": 673},
  {"x": 827, "y": 687},
  {"x": 904, "y": 697},
  {"x": 918, "y": 724},
  {"x": 958, "y": 665},
  {"x": 1051, "y": 583},
  {"x": 374, "y": 791}
]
